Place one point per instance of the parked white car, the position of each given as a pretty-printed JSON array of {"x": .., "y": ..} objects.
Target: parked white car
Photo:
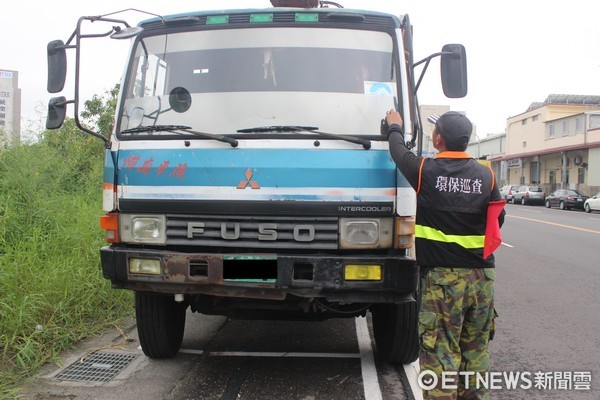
[{"x": 593, "y": 203}]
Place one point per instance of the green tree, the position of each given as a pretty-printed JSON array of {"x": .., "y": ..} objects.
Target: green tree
[
  {"x": 78, "y": 152},
  {"x": 99, "y": 112}
]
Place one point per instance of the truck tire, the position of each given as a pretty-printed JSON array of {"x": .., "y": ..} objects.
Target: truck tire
[
  {"x": 396, "y": 331},
  {"x": 160, "y": 324}
]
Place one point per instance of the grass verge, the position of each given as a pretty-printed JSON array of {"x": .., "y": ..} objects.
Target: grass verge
[{"x": 52, "y": 293}]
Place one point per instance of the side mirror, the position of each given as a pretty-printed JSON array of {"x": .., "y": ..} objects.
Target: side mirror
[
  {"x": 57, "y": 110},
  {"x": 57, "y": 66},
  {"x": 454, "y": 71},
  {"x": 180, "y": 99},
  {"x": 126, "y": 33}
]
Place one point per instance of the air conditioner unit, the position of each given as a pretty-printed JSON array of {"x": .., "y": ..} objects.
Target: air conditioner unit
[{"x": 577, "y": 160}]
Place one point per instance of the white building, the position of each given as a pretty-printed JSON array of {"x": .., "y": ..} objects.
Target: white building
[{"x": 10, "y": 108}]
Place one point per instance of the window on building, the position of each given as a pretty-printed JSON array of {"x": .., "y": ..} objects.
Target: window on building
[
  {"x": 524, "y": 122},
  {"x": 535, "y": 118},
  {"x": 594, "y": 121},
  {"x": 567, "y": 177},
  {"x": 565, "y": 128},
  {"x": 551, "y": 131},
  {"x": 524, "y": 144},
  {"x": 579, "y": 124},
  {"x": 581, "y": 175}
]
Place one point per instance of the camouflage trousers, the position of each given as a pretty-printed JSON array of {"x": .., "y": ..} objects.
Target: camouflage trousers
[{"x": 456, "y": 322}]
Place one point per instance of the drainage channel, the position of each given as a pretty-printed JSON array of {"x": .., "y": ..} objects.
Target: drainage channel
[{"x": 100, "y": 367}]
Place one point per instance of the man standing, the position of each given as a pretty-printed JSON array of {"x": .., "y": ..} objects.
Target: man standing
[{"x": 454, "y": 193}]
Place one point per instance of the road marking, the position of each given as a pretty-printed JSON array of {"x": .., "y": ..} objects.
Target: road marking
[
  {"x": 555, "y": 224},
  {"x": 367, "y": 362},
  {"x": 371, "y": 386},
  {"x": 507, "y": 245},
  {"x": 412, "y": 374},
  {"x": 273, "y": 354},
  {"x": 191, "y": 351}
]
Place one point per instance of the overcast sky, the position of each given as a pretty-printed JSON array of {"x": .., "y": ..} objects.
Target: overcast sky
[{"x": 518, "y": 51}]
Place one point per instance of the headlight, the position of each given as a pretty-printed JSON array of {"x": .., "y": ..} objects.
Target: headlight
[
  {"x": 149, "y": 229},
  {"x": 366, "y": 233}
]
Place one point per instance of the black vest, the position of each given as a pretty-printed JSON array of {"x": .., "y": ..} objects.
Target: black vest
[{"x": 452, "y": 198}]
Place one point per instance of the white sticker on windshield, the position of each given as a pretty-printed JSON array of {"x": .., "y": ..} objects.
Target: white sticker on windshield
[
  {"x": 201, "y": 71},
  {"x": 387, "y": 89}
]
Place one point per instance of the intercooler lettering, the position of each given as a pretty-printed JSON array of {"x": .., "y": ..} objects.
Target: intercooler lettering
[{"x": 365, "y": 209}]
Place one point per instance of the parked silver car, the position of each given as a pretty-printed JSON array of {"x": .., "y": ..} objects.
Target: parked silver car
[
  {"x": 529, "y": 194},
  {"x": 506, "y": 192}
]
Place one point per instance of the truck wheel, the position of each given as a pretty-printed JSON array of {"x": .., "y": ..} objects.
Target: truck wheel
[
  {"x": 160, "y": 324},
  {"x": 396, "y": 332}
]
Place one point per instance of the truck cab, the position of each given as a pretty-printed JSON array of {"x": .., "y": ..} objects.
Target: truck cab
[{"x": 246, "y": 174}]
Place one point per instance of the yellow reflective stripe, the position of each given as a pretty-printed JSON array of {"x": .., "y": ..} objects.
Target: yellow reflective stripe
[{"x": 466, "y": 241}]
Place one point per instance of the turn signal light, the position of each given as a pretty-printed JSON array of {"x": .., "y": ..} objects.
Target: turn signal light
[
  {"x": 110, "y": 223},
  {"x": 405, "y": 231}
]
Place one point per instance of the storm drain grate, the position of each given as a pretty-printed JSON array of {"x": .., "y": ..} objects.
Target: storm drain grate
[{"x": 99, "y": 367}]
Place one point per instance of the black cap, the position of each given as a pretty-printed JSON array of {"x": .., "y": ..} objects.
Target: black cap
[{"x": 456, "y": 130}]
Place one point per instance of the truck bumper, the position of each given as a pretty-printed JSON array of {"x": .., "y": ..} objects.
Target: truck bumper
[{"x": 263, "y": 276}]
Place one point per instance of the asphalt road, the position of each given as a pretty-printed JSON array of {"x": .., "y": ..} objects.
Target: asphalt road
[
  {"x": 548, "y": 277},
  {"x": 225, "y": 359},
  {"x": 548, "y": 300}
]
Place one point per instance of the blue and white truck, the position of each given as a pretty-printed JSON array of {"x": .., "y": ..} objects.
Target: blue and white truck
[{"x": 246, "y": 175}]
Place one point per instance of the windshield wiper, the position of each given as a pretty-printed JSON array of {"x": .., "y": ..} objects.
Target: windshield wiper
[
  {"x": 366, "y": 144},
  {"x": 155, "y": 128},
  {"x": 180, "y": 129},
  {"x": 279, "y": 128}
]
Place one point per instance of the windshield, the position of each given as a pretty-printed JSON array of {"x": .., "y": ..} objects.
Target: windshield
[
  {"x": 573, "y": 193},
  {"x": 339, "y": 80}
]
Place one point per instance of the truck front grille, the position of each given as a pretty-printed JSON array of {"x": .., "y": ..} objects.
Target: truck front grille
[{"x": 253, "y": 232}]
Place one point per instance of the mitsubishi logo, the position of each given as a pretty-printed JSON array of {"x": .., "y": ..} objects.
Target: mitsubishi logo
[{"x": 244, "y": 183}]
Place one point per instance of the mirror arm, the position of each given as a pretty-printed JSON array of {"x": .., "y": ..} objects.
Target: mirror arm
[
  {"x": 98, "y": 35},
  {"x": 78, "y": 36},
  {"x": 427, "y": 60},
  {"x": 64, "y": 103},
  {"x": 91, "y": 132},
  {"x": 422, "y": 74}
]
